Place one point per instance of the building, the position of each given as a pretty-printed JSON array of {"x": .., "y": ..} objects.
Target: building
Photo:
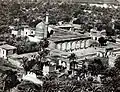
[
  {"x": 42, "y": 29},
  {"x": 68, "y": 41},
  {"x": 70, "y": 27},
  {"x": 6, "y": 50},
  {"x": 23, "y": 30}
]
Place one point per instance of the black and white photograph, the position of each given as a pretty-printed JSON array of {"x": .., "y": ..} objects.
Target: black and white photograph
[{"x": 59, "y": 45}]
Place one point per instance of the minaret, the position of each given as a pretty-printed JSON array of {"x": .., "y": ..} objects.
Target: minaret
[
  {"x": 47, "y": 16},
  {"x": 46, "y": 25}
]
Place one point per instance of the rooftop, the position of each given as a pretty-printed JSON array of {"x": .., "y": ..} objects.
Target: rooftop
[
  {"x": 69, "y": 26},
  {"x": 2, "y": 42},
  {"x": 7, "y": 47},
  {"x": 65, "y": 35}
]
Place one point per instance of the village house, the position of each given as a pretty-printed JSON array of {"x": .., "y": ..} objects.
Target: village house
[
  {"x": 6, "y": 50},
  {"x": 23, "y": 30}
]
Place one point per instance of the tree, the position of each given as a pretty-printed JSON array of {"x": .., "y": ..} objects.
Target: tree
[
  {"x": 109, "y": 30},
  {"x": 117, "y": 62},
  {"x": 95, "y": 67},
  {"x": 26, "y": 86},
  {"x": 117, "y": 24},
  {"x": 72, "y": 58},
  {"x": 111, "y": 80},
  {"x": 111, "y": 72},
  {"x": 28, "y": 64},
  {"x": 10, "y": 81},
  {"x": 45, "y": 43},
  {"x": 102, "y": 41}
]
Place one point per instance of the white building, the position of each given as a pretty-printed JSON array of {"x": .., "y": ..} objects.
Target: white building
[
  {"x": 42, "y": 29},
  {"x": 6, "y": 50},
  {"x": 23, "y": 30},
  {"x": 32, "y": 78}
]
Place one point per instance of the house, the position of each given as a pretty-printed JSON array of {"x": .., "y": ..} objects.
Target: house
[
  {"x": 23, "y": 30},
  {"x": 95, "y": 35},
  {"x": 32, "y": 77},
  {"x": 6, "y": 50}
]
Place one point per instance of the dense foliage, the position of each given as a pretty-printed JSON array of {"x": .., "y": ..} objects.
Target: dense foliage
[{"x": 14, "y": 13}]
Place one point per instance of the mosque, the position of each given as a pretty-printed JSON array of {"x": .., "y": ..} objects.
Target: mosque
[{"x": 60, "y": 39}]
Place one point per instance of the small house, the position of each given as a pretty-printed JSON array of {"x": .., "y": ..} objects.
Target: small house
[
  {"x": 6, "y": 50},
  {"x": 23, "y": 30}
]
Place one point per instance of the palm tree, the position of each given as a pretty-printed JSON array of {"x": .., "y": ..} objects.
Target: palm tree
[
  {"x": 43, "y": 44},
  {"x": 72, "y": 58}
]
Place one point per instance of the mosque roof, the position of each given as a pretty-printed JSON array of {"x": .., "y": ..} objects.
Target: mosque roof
[
  {"x": 41, "y": 24},
  {"x": 62, "y": 35}
]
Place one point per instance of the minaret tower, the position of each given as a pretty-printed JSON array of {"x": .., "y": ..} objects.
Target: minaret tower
[{"x": 46, "y": 25}]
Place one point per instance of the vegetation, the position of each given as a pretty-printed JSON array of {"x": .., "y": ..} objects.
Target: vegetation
[
  {"x": 13, "y": 13},
  {"x": 102, "y": 41},
  {"x": 7, "y": 76},
  {"x": 117, "y": 62}
]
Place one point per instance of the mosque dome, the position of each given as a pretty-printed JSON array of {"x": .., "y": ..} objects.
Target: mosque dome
[{"x": 41, "y": 30}]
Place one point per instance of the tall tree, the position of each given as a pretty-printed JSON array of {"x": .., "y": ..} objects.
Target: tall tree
[
  {"x": 72, "y": 58},
  {"x": 102, "y": 41}
]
